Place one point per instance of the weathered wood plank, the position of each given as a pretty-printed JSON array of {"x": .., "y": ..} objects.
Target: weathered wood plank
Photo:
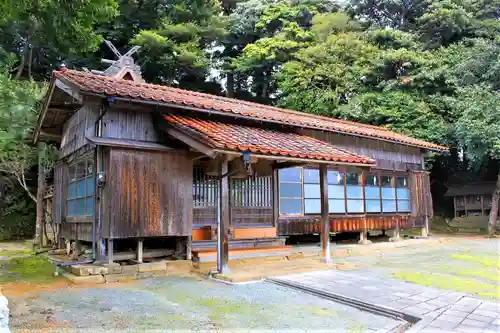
[{"x": 151, "y": 194}]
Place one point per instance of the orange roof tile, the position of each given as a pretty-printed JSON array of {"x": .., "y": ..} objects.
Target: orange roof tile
[
  {"x": 260, "y": 141},
  {"x": 98, "y": 84}
]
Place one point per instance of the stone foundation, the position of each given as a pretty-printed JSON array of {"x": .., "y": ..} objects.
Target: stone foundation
[{"x": 108, "y": 273}]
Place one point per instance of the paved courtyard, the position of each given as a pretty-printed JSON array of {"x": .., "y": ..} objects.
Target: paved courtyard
[{"x": 433, "y": 294}]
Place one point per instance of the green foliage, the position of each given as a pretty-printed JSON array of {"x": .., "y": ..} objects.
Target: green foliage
[
  {"x": 178, "y": 48},
  {"x": 43, "y": 32},
  {"x": 478, "y": 128}
]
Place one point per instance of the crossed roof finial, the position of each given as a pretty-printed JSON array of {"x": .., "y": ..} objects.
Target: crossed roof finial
[{"x": 124, "y": 67}]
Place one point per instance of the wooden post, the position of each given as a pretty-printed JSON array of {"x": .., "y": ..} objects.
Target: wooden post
[
  {"x": 189, "y": 248},
  {"x": 110, "y": 250},
  {"x": 325, "y": 218},
  {"x": 38, "y": 240},
  {"x": 223, "y": 217},
  {"x": 482, "y": 205},
  {"x": 363, "y": 235},
  {"x": 396, "y": 237},
  {"x": 455, "y": 206},
  {"x": 275, "y": 197},
  {"x": 465, "y": 205},
  {"x": 140, "y": 250}
]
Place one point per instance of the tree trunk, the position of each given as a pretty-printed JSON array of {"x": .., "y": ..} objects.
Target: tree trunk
[
  {"x": 230, "y": 85},
  {"x": 30, "y": 60},
  {"x": 39, "y": 200},
  {"x": 494, "y": 208},
  {"x": 21, "y": 65}
]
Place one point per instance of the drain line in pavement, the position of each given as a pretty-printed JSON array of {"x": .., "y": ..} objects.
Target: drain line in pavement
[{"x": 376, "y": 309}]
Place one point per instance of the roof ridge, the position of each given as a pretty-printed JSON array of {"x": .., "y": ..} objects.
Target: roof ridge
[{"x": 146, "y": 91}]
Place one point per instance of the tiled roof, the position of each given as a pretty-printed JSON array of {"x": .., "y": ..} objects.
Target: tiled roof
[
  {"x": 98, "y": 84},
  {"x": 260, "y": 141}
]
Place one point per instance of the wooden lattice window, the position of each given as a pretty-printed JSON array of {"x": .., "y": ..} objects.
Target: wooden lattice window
[
  {"x": 251, "y": 192},
  {"x": 205, "y": 189},
  {"x": 80, "y": 190}
]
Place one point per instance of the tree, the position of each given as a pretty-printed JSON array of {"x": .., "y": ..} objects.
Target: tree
[
  {"x": 478, "y": 130},
  {"x": 284, "y": 27},
  {"x": 43, "y": 33},
  {"x": 177, "y": 52},
  {"x": 18, "y": 111}
]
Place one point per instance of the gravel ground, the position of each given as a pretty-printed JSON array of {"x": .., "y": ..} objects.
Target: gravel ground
[{"x": 185, "y": 304}]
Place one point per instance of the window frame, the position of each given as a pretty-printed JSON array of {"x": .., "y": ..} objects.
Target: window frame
[
  {"x": 301, "y": 182},
  {"x": 362, "y": 182},
  {"x": 88, "y": 174}
]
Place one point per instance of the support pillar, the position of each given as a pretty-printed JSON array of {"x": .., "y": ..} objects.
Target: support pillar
[
  {"x": 110, "y": 251},
  {"x": 140, "y": 251},
  {"x": 396, "y": 236},
  {"x": 38, "y": 239},
  {"x": 223, "y": 218},
  {"x": 363, "y": 235},
  {"x": 425, "y": 228},
  {"x": 325, "y": 218},
  {"x": 189, "y": 248}
]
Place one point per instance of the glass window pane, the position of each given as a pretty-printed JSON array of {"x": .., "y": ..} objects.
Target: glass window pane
[
  {"x": 403, "y": 193},
  {"x": 71, "y": 190},
  {"x": 336, "y": 192},
  {"x": 90, "y": 186},
  {"x": 80, "y": 188},
  {"x": 354, "y": 191},
  {"x": 336, "y": 206},
  {"x": 291, "y": 206},
  {"x": 372, "y": 192},
  {"x": 90, "y": 206},
  {"x": 388, "y": 193},
  {"x": 290, "y": 190},
  {"x": 372, "y": 180},
  {"x": 90, "y": 167},
  {"x": 80, "y": 170},
  {"x": 312, "y": 191},
  {"x": 71, "y": 172},
  {"x": 335, "y": 177},
  {"x": 71, "y": 208},
  {"x": 353, "y": 178},
  {"x": 312, "y": 206},
  {"x": 355, "y": 206},
  {"x": 373, "y": 206},
  {"x": 388, "y": 206},
  {"x": 290, "y": 175},
  {"x": 401, "y": 181},
  {"x": 80, "y": 207},
  {"x": 386, "y": 181},
  {"x": 404, "y": 206},
  {"x": 311, "y": 176}
]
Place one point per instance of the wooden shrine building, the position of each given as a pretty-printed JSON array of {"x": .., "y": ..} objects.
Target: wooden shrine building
[
  {"x": 142, "y": 163},
  {"x": 472, "y": 199}
]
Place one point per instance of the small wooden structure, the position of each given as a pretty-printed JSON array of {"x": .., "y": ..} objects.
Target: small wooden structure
[
  {"x": 472, "y": 199},
  {"x": 150, "y": 165}
]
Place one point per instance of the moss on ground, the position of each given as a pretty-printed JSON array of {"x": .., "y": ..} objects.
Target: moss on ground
[
  {"x": 443, "y": 281},
  {"x": 29, "y": 269},
  {"x": 219, "y": 306},
  {"x": 483, "y": 260}
]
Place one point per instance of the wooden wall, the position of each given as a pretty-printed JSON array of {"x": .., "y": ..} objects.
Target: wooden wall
[
  {"x": 388, "y": 155},
  {"x": 421, "y": 198},
  {"x": 129, "y": 124},
  {"x": 288, "y": 226},
  {"x": 81, "y": 124},
  {"x": 147, "y": 194},
  {"x": 76, "y": 231}
]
